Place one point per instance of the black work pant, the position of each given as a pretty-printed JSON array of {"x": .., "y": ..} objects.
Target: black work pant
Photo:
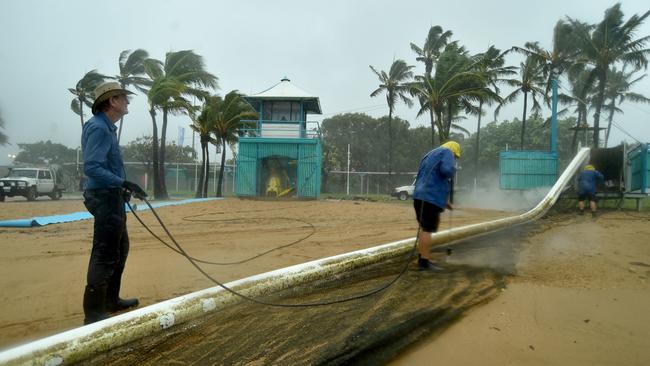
[{"x": 110, "y": 239}]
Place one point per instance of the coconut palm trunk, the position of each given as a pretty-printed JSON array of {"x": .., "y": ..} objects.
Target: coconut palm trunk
[
  {"x": 161, "y": 156},
  {"x": 433, "y": 129},
  {"x": 574, "y": 140},
  {"x": 610, "y": 118},
  {"x": 154, "y": 154},
  {"x": 390, "y": 146},
  {"x": 81, "y": 113},
  {"x": 523, "y": 121},
  {"x": 206, "y": 171},
  {"x": 223, "y": 164},
  {"x": 119, "y": 131},
  {"x": 201, "y": 182},
  {"x": 478, "y": 143},
  {"x": 602, "y": 81}
]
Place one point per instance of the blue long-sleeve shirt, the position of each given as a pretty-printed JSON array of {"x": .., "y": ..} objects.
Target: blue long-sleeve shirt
[
  {"x": 432, "y": 181},
  {"x": 103, "y": 164},
  {"x": 587, "y": 181}
]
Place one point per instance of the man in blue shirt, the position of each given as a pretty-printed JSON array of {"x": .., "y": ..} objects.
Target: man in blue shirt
[
  {"x": 105, "y": 193},
  {"x": 587, "y": 181},
  {"x": 431, "y": 196}
]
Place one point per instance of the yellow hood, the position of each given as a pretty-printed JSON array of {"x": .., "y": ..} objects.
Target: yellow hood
[{"x": 453, "y": 146}]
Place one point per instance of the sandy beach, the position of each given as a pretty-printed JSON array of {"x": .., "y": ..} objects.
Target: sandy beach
[
  {"x": 568, "y": 290},
  {"x": 580, "y": 296},
  {"x": 43, "y": 269}
]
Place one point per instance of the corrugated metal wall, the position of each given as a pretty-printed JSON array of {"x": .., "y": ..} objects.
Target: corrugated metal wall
[
  {"x": 306, "y": 151},
  {"x": 527, "y": 169},
  {"x": 639, "y": 168}
]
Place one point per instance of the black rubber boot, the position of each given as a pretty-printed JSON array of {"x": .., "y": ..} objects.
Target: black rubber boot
[
  {"x": 426, "y": 265},
  {"x": 113, "y": 301},
  {"x": 121, "y": 304},
  {"x": 94, "y": 304}
]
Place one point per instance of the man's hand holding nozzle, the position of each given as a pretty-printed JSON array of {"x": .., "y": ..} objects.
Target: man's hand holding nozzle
[{"x": 135, "y": 190}]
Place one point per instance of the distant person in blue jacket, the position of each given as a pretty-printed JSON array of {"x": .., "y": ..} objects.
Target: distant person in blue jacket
[
  {"x": 431, "y": 196},
  {"x": 587, "y": 181}
]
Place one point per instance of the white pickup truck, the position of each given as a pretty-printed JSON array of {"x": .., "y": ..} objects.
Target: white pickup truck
[
  {"x": 404, "y": 192},
  {"x": 30, "y": 183}
]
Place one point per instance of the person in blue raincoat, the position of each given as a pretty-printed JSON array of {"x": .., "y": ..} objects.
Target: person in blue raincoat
[
  {"x": 587, "y": 181},
  {"x": 431, "y": 196}
]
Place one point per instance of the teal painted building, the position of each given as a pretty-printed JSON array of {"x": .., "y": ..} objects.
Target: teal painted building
[
  {"x": 639, "y": 163},
  {"x": 521, "y": 170},
  {"x": 280, "y": 154},
  {"x": 524, "y": 169}
]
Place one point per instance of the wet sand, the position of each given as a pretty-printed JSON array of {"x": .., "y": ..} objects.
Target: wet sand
[
  {"x": 580, "y": 296},
  {"x": 42, "y": 270}
]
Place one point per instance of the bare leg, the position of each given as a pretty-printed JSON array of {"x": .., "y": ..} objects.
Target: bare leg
[
  {"x": 592, "y": 206},
  {"x": 581, "y": 205},
  {"x": 424, "y": 244}
]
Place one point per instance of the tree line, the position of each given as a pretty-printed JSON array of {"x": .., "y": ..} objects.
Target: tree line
[
  {"x": 367, "y": 140},
  {"x": 599, "y": 63}
]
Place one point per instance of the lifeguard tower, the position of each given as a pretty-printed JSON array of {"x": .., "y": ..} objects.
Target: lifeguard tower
[{"x": 280, "y": 154}]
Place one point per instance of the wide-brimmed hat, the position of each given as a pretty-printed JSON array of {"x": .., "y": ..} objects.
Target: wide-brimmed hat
[
  {"x": 453, "y": 146},
  {"x": 107, "y": 90}
]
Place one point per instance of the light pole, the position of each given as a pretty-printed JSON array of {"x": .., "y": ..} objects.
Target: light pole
[{"x": 347, "y": 189}]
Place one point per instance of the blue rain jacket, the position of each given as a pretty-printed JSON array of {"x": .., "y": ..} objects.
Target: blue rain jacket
[
  {"x": 103, "y": 163},
  {"x": 587, "y": 181},
  {"x": 432, "y": 181}
]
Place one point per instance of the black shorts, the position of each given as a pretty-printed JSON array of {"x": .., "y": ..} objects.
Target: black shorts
[
  {"x": 428, "y": 215},
  {"x": 587, "y": 196}
]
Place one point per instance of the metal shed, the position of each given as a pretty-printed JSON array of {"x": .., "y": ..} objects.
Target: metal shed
[
  {"x": 527, "y": 169},
  {"x": 639, "y": 168}
]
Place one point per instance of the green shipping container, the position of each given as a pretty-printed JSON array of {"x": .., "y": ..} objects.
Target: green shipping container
[
  {"x": 292, "y": 164},
  {"x": 639, "y": 168},
  {"x": 527, "y": 169}
]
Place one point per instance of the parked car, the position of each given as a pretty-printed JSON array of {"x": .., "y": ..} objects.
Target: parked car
[
  {"x": 31, "y": 183},
  {"x": 404, "y": 192}
]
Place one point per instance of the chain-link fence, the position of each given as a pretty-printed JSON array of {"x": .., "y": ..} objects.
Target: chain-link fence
[
  {"x": 364, "y": 183},
  {"x": 181, "y": 179}
]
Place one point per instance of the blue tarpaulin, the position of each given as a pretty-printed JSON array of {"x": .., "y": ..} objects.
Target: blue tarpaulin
[{"x": 84, "y": 215}]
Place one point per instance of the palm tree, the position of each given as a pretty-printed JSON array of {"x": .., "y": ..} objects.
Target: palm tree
[
  {"x": 227, "y": 115},
  {"x": 434, "y": 44},
  {"x": 532, "y": 82},
  {"x": 454, "y": 85},
  {"x": 203, "y": 125},
  {"x": 394, "y": 84},
  {"x": 580, "y": 97},
  {"x": 181, "y": 75},
  {"x": 607, "y": 43},
  {"x": 83, "y": 92},
  {"x": 491, "y": 65},
  {"x": 557, "y": 60},
  {"x": 131, "y": 73},
  {"x": 618, "y": 91},
  {"x": 162, "y": 89}
]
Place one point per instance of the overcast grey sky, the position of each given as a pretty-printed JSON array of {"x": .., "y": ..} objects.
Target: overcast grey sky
[{"x": 323, "y": 47}]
